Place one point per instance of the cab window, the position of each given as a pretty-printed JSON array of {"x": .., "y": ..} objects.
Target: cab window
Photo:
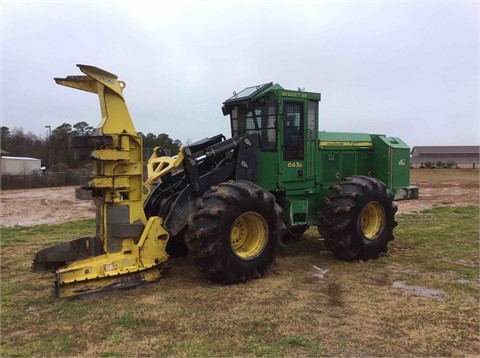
[
  {"x": 261, "y": 119},
  {"x": 293, "y": 131}
]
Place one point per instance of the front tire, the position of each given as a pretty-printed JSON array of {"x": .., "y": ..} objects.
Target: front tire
[
  {"x": 358, "y": 218},
  {"x": 235, "y": 234}
]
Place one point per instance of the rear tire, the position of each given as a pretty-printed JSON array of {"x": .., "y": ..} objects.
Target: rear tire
[
  {"x": 235, "y": 234},
  {"x": 358, "y": 218}
]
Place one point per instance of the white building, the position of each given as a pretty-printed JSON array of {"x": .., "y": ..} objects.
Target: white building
[
  {"x": 461, "y": 156},
  {"x": 19, "y": 165}
]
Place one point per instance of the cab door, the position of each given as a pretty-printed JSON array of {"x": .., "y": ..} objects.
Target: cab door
[
  {"x": 298, "y": 147},
  {"x": 293, "y": 166}
]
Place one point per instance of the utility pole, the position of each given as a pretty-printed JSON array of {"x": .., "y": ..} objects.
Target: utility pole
[{"x": 48, "y": 143}]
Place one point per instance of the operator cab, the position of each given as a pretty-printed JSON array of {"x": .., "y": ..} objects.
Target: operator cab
[
  {"x": 287, "y": 124},
  {"x": 249, "y": 115}
]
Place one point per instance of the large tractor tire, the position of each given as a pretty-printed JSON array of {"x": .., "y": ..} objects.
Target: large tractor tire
[
  {"x": 358, "y": 218},
  {"x": 235, "y": 234}
]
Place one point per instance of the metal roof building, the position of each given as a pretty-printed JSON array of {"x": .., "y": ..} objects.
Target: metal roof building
[
  {"x": 19, "y": 165},
  {"x": 467, "y": 156}
]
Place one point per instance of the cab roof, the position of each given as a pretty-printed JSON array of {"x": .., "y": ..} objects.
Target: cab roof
[{"x": 249, "y": 93}]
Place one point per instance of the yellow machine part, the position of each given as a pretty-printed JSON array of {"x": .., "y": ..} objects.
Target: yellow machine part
[
  {"x": 158, "y": 166},
  {"x": 133, "y": 265},
  {"x": 134, "y": 247}
]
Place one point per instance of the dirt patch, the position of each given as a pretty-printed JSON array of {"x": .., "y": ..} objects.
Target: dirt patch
[
  {"x": 43, "y": 206},
  {"x": 456, "y": 187}
]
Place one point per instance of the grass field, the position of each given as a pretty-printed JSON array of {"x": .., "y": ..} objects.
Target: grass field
[{"x": 421, "y": 299}]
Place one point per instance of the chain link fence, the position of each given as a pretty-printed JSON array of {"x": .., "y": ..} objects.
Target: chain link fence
[{"x": 45, "y": 180}]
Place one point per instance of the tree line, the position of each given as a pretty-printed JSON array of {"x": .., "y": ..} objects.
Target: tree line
[{"x": 55, "y": 151}]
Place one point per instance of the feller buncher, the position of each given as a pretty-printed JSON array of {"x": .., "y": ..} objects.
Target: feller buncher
[{"x": 228, "y": 202}]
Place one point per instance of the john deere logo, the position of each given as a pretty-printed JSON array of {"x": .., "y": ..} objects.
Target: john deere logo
[{"x": 401, "y": 162}]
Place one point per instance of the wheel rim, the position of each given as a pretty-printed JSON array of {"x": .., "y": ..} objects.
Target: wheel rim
[
  {"x": 372, "y": 220},
  {"x": 249, "y": 235}
]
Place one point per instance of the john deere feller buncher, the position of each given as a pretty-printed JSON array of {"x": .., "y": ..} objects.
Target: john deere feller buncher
[{"x": 228, "y": 202}]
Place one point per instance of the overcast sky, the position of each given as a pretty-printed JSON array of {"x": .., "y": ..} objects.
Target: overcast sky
[{"x": 408, "y": 69}]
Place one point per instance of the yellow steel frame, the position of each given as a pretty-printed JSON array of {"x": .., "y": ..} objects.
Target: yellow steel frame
[
  {"x": 158, "y": 166},
  {"x": 118, "y": 176}
]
